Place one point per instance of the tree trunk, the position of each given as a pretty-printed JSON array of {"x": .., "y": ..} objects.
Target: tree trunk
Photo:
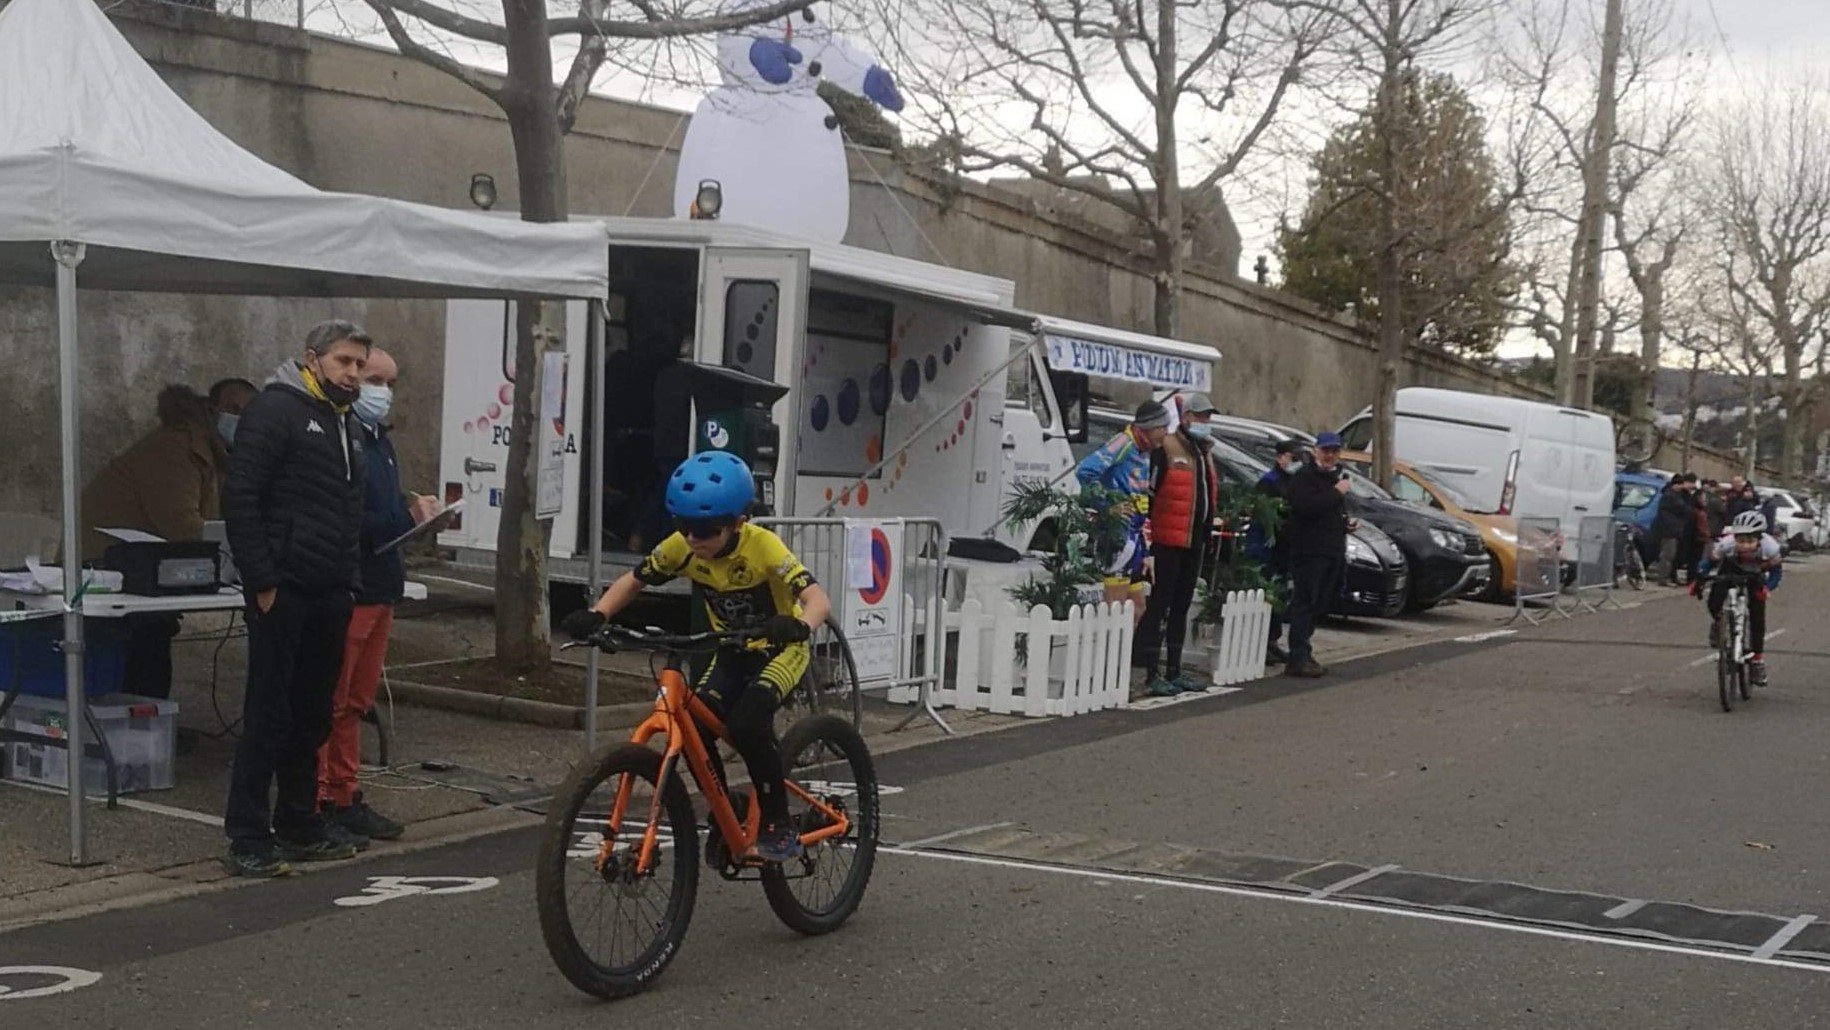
[
  {"x": 1690, "y": 407},
  {"x": 523, "y": 636},
  {"x": 1390, "y": 274},
  {"x": 1651, "y": 334},
  {"x": 1594, "y": 210},
  {"x": 1169, "y": 229},
  {"x": 1750, "y": 425},
  {"x": 1563, "y": 350}
]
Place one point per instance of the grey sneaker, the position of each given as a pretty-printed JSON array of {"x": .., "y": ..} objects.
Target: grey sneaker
[
  {"x": 328, "y": 846},
  {"x": 1756, "y": 671},
  {"x": 260, "y": 861},
  {"x": 358, "y": 818},
  {"x": 1160, "y": 687}
]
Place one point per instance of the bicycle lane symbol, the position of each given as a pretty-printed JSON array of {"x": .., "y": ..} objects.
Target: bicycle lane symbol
[
  {"x": 388, "y": 888},
  {"x": 20, "y": 982}
]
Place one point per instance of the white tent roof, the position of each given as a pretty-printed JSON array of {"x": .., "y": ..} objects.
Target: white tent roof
[{"x": 95, "y": 148}]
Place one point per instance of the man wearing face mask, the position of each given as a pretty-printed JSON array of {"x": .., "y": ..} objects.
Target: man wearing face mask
[
  {"x": 228, "y": 399},
  {"x": 1184, "y": 494},
  {"x": 386, "y": 514},
  {"x": 292, "y": 503}
]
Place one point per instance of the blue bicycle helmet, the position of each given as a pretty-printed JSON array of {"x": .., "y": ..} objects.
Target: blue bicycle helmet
[{"x": 709, "y": 485}]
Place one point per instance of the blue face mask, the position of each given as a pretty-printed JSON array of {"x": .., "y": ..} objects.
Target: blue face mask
[
  {"x": 373, "y": 402},
  {"x": 225, "y": 427},
  {"x": 1201, "y": 431}
]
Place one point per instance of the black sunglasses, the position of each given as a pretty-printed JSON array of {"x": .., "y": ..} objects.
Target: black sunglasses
[{"x": 701, "y": 529}]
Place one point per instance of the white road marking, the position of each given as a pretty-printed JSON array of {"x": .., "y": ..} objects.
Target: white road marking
[
  {"x": 1475, "y": 638},
  {"x": 1623, "y": 910},
  {"x": 388, "y": 888},
  {"x": 1785, "y": 934},
  {"x": 967, "y": 832},
  {"x": 127, "y": 802},
  {"x": 1106, "y": 875},
  {"x": 72, "y": 979},
  {"x": 1359, "y": 878},
  {"x": 1710, "y": 657},
  {"x": 1770, "y": 634}
]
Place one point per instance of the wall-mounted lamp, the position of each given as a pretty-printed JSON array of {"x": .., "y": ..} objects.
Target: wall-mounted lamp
[
  {"x": 709, "y": 200},
  {"x": 483, "y": 190}
]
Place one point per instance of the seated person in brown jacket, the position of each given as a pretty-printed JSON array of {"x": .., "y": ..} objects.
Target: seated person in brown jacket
[{"x": 167, "y": 483}]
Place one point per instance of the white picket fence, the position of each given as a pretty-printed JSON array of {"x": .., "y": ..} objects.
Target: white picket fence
[
  {"x": 1078, "y": 664},
  {"x": 1236, "y": 650}
]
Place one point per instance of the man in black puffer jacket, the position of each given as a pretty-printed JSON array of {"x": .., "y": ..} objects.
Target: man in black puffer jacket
[{"x": 292, "y": 502}]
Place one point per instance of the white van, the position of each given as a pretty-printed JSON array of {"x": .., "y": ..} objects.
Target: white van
[{"x": 1508, "y": 456}]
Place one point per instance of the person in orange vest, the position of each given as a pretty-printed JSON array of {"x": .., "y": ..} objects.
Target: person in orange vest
[{"x": 1184, "y": 495}]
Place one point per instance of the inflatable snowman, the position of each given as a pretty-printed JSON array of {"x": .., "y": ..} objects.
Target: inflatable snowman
[{"x": 767, "y": 138}]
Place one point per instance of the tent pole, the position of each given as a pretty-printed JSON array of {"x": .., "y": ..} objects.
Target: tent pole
[
  {"x": 594, "y": 353},
  {"x": 68, "y": 255}
]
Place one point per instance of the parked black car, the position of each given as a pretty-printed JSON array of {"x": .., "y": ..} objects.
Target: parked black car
[{"x": 1445, "y": 555}]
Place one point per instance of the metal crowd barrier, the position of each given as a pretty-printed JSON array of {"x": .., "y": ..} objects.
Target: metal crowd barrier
[
  {"x": 886, "y": 578},
  {"x": 1540, "y": 570},
  {"x": 1595, "y": 561}
]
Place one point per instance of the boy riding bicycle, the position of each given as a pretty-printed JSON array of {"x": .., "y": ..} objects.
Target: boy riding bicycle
[
  {"x": 1744, "y": 552},
  {"x": 751, "y": 581}
]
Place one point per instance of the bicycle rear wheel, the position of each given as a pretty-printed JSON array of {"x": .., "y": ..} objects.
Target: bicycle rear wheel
[
  {"x": 612, "y": 930},
  {"x": 831, "y": 680},
  {"x": 817, "y": 892}
]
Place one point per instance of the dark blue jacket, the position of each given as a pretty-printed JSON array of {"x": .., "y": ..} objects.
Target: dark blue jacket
[{"x": 384, "y": 517}]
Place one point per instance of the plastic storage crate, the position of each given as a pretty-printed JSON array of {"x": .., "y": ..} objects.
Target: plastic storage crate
[
  {"x": 142, "y": 732},
  {"x": 29, "y": 650}
]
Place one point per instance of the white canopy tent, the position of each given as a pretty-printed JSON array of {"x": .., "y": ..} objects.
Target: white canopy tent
[{"x": 104, "y": 171}]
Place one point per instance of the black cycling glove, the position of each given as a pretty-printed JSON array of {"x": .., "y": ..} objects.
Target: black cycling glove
[
  {"x": 785, "y": 629},
  {"x": 581, "y": 624}
]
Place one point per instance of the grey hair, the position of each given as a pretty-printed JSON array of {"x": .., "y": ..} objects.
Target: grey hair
[{"x": 327, "y": 334}]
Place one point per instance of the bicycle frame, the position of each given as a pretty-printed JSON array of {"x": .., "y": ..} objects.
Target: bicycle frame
[
  {"x": 678, "y": 716},
  {"x": 1737, "y": 615}
]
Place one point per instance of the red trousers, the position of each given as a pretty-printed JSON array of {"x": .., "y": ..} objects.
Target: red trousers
[{"x": 365, "y": 648}]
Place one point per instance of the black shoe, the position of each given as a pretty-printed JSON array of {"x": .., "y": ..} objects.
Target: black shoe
[
  {"x": 345, "y": 835},
  {"x": 329, "y": 846},
  {"x": 260, "y": 861},
  {"x": 358, "y": 818},
  {"x": 1308, "y": 668},
  {"x": 1276, "y": 655}
]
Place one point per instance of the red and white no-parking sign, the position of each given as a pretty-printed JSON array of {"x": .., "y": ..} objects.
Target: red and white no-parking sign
[{"x": 871, "y": 604}]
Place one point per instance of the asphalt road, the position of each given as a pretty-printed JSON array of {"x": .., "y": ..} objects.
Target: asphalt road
[{"x": 1415, "y": 841}]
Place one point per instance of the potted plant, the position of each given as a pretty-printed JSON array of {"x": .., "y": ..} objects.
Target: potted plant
[
  {"x": 1230, "y": 568},
  {"x": 1083, "y": 520}
]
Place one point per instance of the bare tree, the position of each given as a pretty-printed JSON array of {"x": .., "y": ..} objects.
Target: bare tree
[
  {"x": 1767, "y": 185},
  {"x": 1553, "y": 60},
  {"x": 1149, "y": 106},
  {"x": 541, "y": 110}
]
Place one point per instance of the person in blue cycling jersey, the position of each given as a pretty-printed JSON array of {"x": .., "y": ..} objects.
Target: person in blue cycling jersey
[
  {"x": 750, "y": 581},
  {"x": 1122, "y": 469},
  {"x": 1745, "y": 551}
]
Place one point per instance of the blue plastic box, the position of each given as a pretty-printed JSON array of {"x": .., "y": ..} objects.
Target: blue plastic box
[{"x": 29, "y": 649}]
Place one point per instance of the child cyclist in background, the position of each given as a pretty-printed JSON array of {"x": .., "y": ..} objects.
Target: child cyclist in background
[
  {"x": 1745, "y": 551},
  {"x": 750, "y": 581}
]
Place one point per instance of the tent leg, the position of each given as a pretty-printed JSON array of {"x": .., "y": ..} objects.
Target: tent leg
[
  {"x": 68, "y": 255},
  {"x": 594, "y": 353}
]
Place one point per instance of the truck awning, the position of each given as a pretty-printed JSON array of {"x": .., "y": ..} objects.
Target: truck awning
[{"x": 1097, "y": 350}]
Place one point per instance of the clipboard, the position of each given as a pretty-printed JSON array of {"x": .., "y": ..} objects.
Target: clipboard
[{"x": 431, "y": 525}]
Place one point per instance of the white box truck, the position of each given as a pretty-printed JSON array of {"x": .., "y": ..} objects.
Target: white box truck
[
  {"x": 1508, "y": 455},
  {"x": 895, "y": 373}
]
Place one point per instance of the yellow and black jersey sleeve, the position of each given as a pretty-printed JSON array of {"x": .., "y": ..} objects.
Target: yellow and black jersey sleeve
[
  {"x": 665, "y": 562},
  {"x": 784, "y": 568}
]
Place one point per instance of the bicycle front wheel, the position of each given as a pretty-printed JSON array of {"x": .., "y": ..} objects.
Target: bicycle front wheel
[
  {"x": 826, "y": 758},
  {"x": 610, "y": 925},
  {"x": 1726, "y": 664}
]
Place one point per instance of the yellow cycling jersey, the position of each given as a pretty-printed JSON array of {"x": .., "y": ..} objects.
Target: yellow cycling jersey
[{"x": 758, "y": 577}]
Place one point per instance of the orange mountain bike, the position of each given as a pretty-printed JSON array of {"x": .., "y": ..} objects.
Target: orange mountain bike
[{"x": 619, "y": 855}]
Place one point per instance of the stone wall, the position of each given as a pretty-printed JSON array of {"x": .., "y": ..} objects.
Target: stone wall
[{"x": 345, "y": 116}]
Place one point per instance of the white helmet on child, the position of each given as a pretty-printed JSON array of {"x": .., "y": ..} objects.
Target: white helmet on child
[{"x": 1749, "y": 523}]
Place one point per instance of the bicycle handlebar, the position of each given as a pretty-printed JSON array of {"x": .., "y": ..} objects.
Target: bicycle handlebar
[{"x": 611, "y": 636}]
